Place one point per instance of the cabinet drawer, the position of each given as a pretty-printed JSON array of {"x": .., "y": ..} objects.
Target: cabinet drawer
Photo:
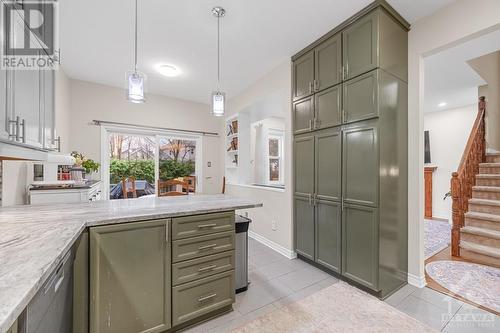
[
  {"x": 190, "y": 226},
  {"x": 196, "y": 247},
  {"x": 200, "y": 297},
  {"x": 194, "y": 269}
]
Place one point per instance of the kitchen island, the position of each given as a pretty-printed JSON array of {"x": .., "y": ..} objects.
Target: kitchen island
[{"x": 35, "y": 239}]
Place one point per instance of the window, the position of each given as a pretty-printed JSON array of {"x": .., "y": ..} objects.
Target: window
[
  {"x": 275, "y": 156},
  {"x": 148, "y": 157}
]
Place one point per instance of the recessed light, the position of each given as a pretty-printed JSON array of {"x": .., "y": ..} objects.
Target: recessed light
[
  {"x": 168, "y": 70},
  {"x": 442, "y": 104}
]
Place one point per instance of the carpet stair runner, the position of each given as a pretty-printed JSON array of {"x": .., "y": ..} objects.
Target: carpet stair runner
[{"x": 480, "y": 237}]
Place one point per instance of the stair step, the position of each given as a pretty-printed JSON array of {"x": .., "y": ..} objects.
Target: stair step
[
  {"x": 482, "y": 220},
  {"x": 489, "y": 168},
  {"x": 493, "y": 157},
  {"x": 484, "y": 206},
  {"x": 486, "y": 192},
  {"x": 488, "y": 179},
  {"x": 481, "y": 236},
  {"x": 480, "y": 253}
]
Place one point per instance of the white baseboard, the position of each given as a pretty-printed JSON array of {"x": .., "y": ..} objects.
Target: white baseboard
[
  {"x": 417, "y": 281},
  {"x": 275, "y": 246}
]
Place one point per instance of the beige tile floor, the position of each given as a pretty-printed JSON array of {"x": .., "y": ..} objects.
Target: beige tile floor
[{"x": 277, "y": 281}]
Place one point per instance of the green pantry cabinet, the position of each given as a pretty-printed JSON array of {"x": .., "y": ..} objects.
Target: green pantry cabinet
[
  {"x": 160, "y": 275},
  {"x": 349, "y": 104}
]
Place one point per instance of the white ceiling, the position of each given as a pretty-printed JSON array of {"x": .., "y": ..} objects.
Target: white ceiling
[
  {"x": 96, "y": 38},
  {"x": 448, "y": 77}
]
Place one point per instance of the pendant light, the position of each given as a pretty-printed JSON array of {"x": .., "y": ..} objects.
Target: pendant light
[
  {"x": 135, "y": 79},
  {"x": 218, "y": 97}
]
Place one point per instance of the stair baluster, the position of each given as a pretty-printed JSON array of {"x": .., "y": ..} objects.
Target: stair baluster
[{"x": 464, "y": 179}]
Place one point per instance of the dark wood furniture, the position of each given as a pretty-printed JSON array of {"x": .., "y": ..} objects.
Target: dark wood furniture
[{"x": 428, "y": 191}]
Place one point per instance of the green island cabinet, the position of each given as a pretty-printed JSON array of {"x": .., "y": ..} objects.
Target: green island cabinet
[
  {"x": 350, "y": 150},
  {"x": 157, "y": 276}
]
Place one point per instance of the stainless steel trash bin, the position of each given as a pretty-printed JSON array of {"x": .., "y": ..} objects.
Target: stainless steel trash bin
[{"x": 241, "y": 260}]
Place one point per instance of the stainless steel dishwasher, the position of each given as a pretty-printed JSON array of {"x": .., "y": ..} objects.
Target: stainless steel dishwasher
[
  {"x": 241, "y": 262},
  {"x": 51, "y": 309}
]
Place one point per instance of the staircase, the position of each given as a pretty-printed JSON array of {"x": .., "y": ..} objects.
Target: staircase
[
  {"x": 480, "y": 236},
  {"x": 475, "y": 189}
]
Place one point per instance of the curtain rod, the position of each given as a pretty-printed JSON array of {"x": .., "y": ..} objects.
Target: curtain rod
[{"x": 103, "y": 122}]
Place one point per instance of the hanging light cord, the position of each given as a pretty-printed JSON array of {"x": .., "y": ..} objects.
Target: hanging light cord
[
  {"x": 135, "y": 40},
  {"x": 218, "y": 52}
]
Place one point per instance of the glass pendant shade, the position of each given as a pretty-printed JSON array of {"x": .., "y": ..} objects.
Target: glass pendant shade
[
  {"x": 135, "y": 87},
  {"x": 218, "y": 103}
]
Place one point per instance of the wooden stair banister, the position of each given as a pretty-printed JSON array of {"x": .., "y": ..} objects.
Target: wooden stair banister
[{"x": 464, "y": 179}]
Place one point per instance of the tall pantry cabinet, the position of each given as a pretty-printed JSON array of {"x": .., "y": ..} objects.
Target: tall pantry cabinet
[{"x": 349, "y": 105}]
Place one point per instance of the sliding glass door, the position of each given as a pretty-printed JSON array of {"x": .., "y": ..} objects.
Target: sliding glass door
[{"x": 150, "y": 159}]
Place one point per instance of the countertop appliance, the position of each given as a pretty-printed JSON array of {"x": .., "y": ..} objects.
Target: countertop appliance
[{"x": 241, "y": 260}]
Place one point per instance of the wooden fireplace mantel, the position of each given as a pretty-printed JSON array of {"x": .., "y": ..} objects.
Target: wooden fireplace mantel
[{"x": 428, "y": 170}]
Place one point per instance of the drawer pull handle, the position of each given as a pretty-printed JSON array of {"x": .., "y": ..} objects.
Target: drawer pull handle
[
  {"x": 205, "y": 247},
  {"x": 211, "y": 225},
  {"x": 207, "y": 268},
  {"x": 205, "y": 298}
]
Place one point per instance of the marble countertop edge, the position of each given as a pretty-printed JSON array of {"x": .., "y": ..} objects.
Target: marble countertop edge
[{"x": 10, "y": 309}]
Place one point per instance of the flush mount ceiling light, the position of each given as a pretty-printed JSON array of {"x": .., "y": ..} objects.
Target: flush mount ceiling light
[
  {"x": 218, "y": 97},
  {"x": 442, "y": 104},
  {"x": 135, "y": 79},
  {"x": 168, "y": 70}
]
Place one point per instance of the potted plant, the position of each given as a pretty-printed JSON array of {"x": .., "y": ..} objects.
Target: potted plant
[{"x": 84, "y": 165}]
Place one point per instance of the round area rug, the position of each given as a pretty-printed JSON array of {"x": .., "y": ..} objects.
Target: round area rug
[{"x": 476, "y": 283}]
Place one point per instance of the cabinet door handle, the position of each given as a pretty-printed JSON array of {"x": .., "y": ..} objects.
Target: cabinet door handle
[
  {"x": 310, "y": 87},
  {"x": 205, "y": 247},
  {"x": 310, "y": 124},
  {"x": 211, "y": 225},
  {"x": 23, "y": 126},
  {"x": 166, "y": 232},
  {"x": 205, "y": 298},
  {"x": 316, "y": 85},
  {"x": 207, "y": 268},
  {"x": 310, "y": 198}
]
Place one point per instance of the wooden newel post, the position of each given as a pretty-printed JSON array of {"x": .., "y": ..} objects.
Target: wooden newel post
[{"x": 457, "y": 214}]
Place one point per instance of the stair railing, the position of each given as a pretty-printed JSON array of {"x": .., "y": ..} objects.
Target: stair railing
[{"x": 464, "y": 179}]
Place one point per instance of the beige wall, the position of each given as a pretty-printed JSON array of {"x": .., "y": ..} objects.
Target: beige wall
[
  {"x": 454, "y": 24},
  {"x": 448, "y": 131},
  {"x": 90, "y": 101},
  {"x": 62, "y": 109},
  {"x": 277, "y": 204},
  {"x": 488, "y": 67}
]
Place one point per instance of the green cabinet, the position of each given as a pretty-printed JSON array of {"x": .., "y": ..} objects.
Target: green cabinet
[
  {"x": 304, "y": 165},
  {"x": 328, "y": 164},
  {"x": 328, "y": 108},
  {"x": 303, "y": 76},
  {"x": 328, "y": 63},
  {"x": 303, "y": 115},
  {"x": 130, "y": 278},
  {"x": 360, "y": 245},
  {"x": 351, "y": 150},
  {"x": 360, "y": 46},
  {"x": 361, "y": 97},
  {"x": 328, "y": 216},
  {"x": 361, "y": 164},
  {"x": 304, "y": 226}
]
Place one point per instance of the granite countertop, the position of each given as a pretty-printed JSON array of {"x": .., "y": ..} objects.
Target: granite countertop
[
  {"x": 87, "y": 184},
  {"x": 34, "y": 239}
]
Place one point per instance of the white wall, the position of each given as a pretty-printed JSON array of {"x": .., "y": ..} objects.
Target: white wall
[
  {"x": 90, "y": 101},
  {"x": 62, "y": 106},
  {"x": 448, "y": 134},
  {"x": 460, "y": 21},
  {"x": 277, "y": 203}
]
